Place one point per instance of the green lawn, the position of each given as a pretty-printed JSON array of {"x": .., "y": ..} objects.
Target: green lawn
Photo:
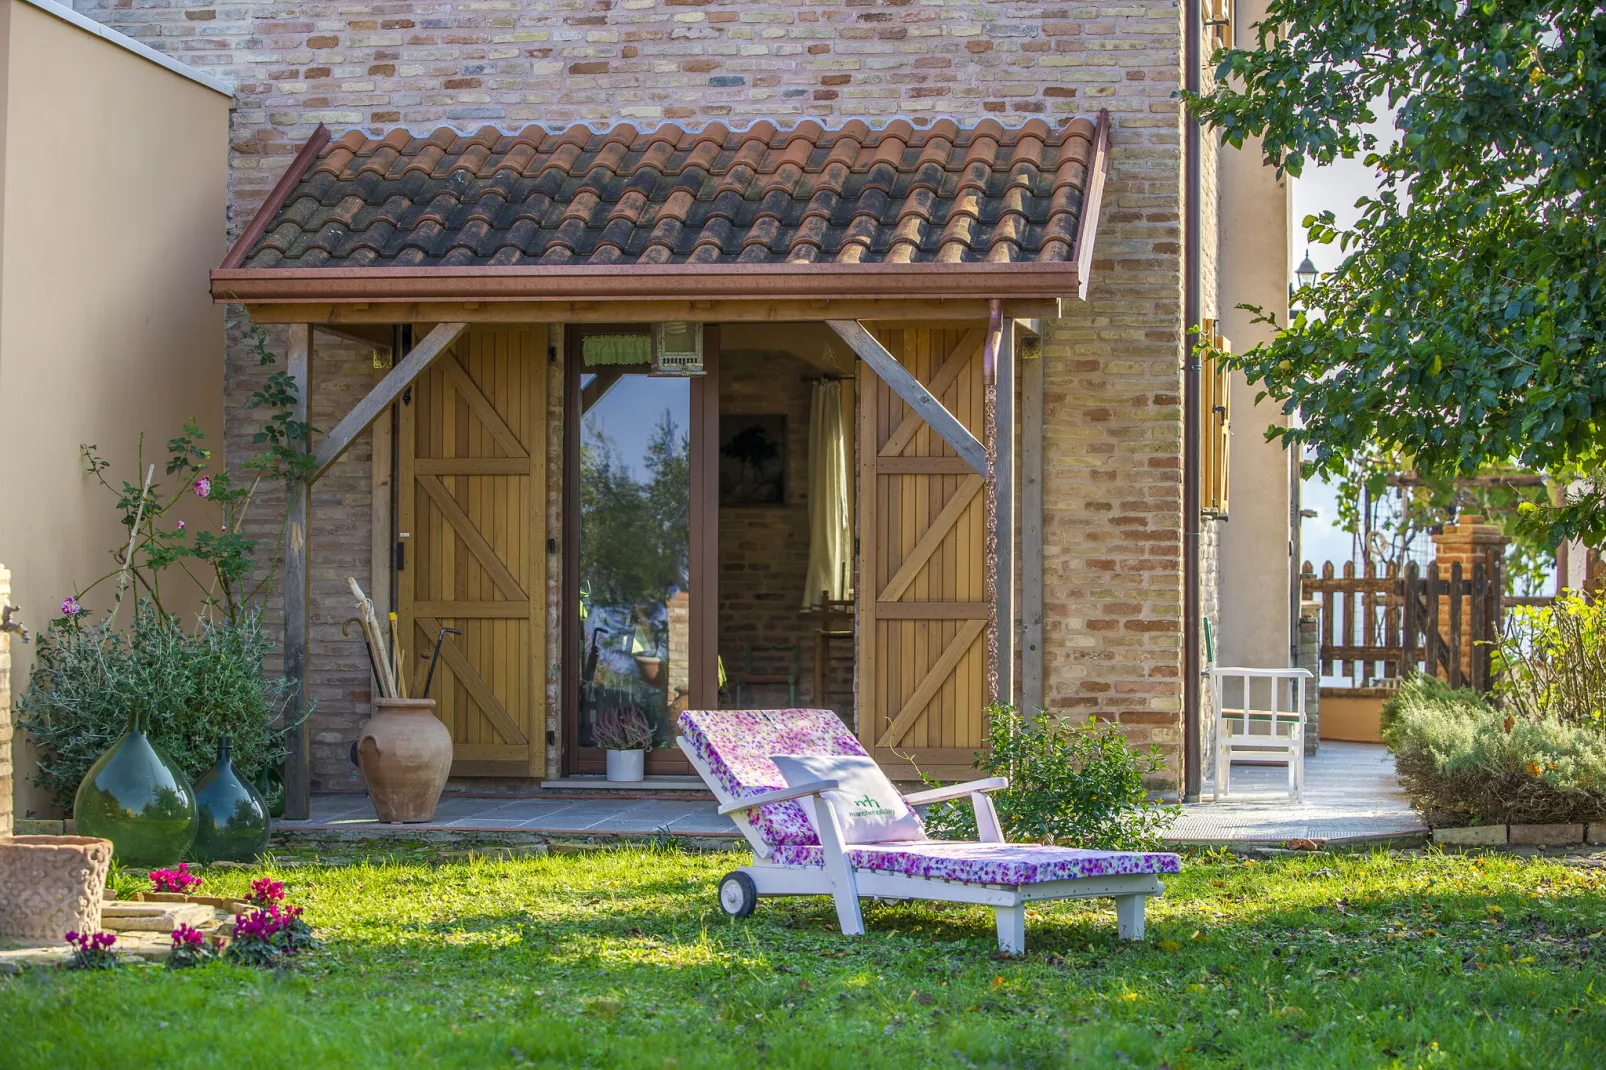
[{"x": 623, "y": 959}]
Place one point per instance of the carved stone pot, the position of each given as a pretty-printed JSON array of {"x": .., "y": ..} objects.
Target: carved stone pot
[
  {"x": 52, "y": 885},
  {"x": 405, "y": 755}
]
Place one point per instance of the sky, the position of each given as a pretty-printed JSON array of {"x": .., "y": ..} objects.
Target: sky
[{"x": 1336, "y": 188}]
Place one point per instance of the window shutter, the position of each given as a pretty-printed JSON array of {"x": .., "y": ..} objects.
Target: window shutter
[{"x": 1215, "y": 403}]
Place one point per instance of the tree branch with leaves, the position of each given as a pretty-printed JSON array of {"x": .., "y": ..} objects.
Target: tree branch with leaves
[{"x": 1464, "y": 327}]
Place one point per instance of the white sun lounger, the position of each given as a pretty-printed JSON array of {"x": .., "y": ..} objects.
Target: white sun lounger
[{"x": 731, "y": 750}]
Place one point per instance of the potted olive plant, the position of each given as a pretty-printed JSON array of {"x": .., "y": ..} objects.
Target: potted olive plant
[{"x": 625, "y": 734}]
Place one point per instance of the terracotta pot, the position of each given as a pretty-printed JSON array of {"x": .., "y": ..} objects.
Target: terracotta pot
[
  {"x": 405, "y": 755},
  {"x": 52, "y": 885},
  {"x": 651, "y": 671}
]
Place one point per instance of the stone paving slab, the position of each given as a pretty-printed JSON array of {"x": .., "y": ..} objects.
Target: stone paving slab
[{"x": 1351, "y": 793}]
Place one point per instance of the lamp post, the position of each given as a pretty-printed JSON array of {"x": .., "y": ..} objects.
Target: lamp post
[{"x": 1306, "y": 272}]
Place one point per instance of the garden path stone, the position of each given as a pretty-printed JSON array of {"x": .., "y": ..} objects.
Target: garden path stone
[{"x": 129, "y": 917}]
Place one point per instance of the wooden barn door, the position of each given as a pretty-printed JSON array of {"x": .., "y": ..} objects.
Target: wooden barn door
[
  {"x": 923, "y": 610},
  {"x": 471, "y": 510}
]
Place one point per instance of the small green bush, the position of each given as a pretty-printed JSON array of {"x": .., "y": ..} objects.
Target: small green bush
[
  {"x": 1550, "y": 662},
  {"x": 1071, "y": 783},
  {"x": 198, "y": 685},
  {"x": 1463, "y": 761}
]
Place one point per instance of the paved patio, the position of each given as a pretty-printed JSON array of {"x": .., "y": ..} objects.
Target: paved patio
[{"x": 1350, "y": 794}]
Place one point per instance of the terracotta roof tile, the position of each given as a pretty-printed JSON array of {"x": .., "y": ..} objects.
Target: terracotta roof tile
[{"x": 807, "y": 194}]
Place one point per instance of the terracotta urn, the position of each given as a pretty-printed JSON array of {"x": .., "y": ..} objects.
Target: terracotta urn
[
  {"x": 52, "y": 885},
  {"x": 405, "y": 755}
]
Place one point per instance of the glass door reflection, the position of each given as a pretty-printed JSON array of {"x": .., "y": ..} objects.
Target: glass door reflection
[{"x": 634, "y": 581}]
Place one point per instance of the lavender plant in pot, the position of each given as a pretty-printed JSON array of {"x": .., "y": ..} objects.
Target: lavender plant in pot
[{"x": 625, "y": 734}]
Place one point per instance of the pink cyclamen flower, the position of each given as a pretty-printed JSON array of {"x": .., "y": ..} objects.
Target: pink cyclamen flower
[
  {"x": 180, "y": 880},
  {"x": 186, "y": 934},
  {"x": 203, "y": 487},
  {"x": 70, "y": 607},
  {"x": 181, "y": 525},
  {"x": 265, "y": 890}
]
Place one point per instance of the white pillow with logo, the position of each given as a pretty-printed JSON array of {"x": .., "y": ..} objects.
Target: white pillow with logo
[{"x": 868, "y": 807}]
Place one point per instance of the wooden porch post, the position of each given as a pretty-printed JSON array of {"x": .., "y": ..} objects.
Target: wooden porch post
[
  {"x": 1031, "y": 535},
  {"x": 1003, "y": 485},
  {"x": 298, "y": 763}
]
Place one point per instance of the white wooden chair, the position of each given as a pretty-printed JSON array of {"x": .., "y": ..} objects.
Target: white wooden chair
[
  {"x": 731, "y": 750},
  {"x": 1270, "y": 732}
]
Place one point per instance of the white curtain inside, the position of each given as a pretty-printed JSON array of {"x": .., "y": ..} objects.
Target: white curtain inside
[{"x": 830, "y": 541}]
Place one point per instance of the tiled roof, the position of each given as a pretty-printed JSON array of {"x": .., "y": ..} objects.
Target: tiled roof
[{"x": 941, "y": 194}]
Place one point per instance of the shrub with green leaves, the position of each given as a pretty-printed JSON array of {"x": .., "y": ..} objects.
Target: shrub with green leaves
[
  {"x": 1075, "y": 783},
  {"x": 1463, "y": 761},
  {"x": 1550, "y": 662},
  {"x": 198, "y": 685}
]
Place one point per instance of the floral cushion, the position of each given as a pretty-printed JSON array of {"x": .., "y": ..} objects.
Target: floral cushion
[
  {"x": 736, "y": 746},
  {"x": 987, "y": 863}
]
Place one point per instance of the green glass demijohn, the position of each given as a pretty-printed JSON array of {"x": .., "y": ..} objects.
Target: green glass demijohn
[
  {"x": 138, "y": 798},
  {"x": 233, "y": 818},
  {"x": 270, "y": 785}
]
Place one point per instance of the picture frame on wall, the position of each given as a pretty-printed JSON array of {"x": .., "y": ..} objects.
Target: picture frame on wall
[{"x": 752, "y": 459}]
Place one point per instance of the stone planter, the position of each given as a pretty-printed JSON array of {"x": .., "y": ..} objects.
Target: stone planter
[
  {"x": 626, "y": 766},
  {"x": 52, "y": 885},
  {"x": 405, "y": 755}
]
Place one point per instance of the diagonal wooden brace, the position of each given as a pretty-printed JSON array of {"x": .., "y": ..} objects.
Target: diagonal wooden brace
[
  {"x": 913, "y": 392},
  {"x": 382, "y": 396}
]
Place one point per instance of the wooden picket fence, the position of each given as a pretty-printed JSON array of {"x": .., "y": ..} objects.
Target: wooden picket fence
[{"x": 1375, "y": 628}]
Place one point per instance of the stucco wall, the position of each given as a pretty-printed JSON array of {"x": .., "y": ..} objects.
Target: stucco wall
[
  {"x": 1257, "y": 570},
  {"x": 1112, "y": 385},
  {"x": 114, "y": 185}
]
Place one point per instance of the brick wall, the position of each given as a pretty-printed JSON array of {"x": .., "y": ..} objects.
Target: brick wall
[
  {"x": 764, "y": 550},
  {"x": 1112, "y": 387}
]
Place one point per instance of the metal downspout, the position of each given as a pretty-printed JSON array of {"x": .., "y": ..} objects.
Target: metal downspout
[{"x": 1192, "y": 283}]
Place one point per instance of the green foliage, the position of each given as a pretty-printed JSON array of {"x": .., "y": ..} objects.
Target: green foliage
[
  {"x": 288, "y": 455},
  {"x": 197, "y": 686},
  {"x": 1462, "y": 761},
  {"x": 620, "y": 958},
  {"x": 1551, "y": 662},
  {"x": 1071, "y": 783},
  {"x": 633, "y": 535},
  {"x": 1465, "y": 326},
  {"x": 155, "y": 545},
  {"x": 1394, "y": 522}
]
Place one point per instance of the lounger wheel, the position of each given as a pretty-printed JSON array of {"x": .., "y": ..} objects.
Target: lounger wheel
[{"x": 738, "y": 895}]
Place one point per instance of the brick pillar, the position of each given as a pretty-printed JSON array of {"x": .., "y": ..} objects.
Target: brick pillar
[
  {"x": 679, "y": 654},
  {"x": 1469, "y": 541},
  {"x": 1310, "y": 651},
  {"x": 7, "y": 788}
]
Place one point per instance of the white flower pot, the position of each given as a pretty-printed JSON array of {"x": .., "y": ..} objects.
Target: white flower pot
[{"x": 626, "y": 766}]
